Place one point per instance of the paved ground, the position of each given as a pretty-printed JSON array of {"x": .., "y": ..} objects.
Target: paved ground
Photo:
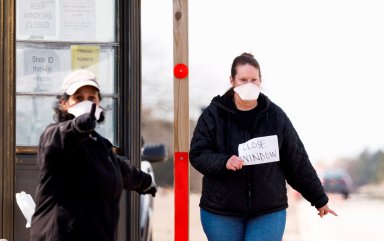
[
  {"x": 360, "y": 217},
  {"x": 164, "y": 218}
]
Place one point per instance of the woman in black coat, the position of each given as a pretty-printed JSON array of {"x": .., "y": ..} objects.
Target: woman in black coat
[
  {"x": 247, "y": 149},
  {"x": 81, "y": 179}
]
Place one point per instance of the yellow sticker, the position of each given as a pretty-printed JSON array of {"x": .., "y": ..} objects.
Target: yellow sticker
[{"x": 85, "y": 57}]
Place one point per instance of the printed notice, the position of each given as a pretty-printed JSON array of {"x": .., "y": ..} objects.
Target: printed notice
[
  {"x": 40, "y": 69},
  {"x": 37, "y": 18},
  {"x": 85, "y": 57},
  {"x": 260, "y": 150},
  {"x": 78, "y": 19}
]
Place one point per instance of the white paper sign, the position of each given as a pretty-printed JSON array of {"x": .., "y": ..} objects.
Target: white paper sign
[
  {"x": 78, "y": 19},
  {"x": 37, "y": 17},
  {"x": 260, "y": 150},
  {"x": 39, "y": 72}
]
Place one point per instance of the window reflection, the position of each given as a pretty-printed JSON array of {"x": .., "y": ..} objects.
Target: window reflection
[
  {"x": 42, "y": 69},
  {"x": 35, "y": 113},
  {"x": 107, "y": 128}
]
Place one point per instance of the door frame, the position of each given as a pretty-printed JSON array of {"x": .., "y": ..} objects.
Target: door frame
[
  {"x": 7, "y": 122},
  {"x": 129, "y": 74}
]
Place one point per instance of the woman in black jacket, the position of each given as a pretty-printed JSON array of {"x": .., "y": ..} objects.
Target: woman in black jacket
[
  {"x": 81, "y": 179},
  {"x": 247, "y": 148}
]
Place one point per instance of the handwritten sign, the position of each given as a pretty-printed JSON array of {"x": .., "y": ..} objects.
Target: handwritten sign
[{"x": 260, "y": 150}]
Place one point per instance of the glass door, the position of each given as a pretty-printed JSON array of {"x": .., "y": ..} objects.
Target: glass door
[{"x": 54, "y": 37}]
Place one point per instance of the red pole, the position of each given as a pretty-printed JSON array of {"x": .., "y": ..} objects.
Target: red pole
[
  {"x": 181, "y": 196},
  {"x": 181, "y": 119}
]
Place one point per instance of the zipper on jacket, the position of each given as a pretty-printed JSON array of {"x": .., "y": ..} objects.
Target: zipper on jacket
[{"x": 249, "y": 198}]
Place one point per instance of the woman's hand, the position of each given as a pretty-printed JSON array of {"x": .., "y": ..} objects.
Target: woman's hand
[
  {"x": 234, "y": 163},
  {"x": 85, "y": 123},
  {"x": 325, "y": 210}
]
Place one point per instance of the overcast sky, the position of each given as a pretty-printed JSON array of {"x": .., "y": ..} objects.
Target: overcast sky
[{"x": 321, "y": 61}]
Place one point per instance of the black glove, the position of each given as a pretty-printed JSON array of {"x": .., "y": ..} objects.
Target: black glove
[
  {"x": 151, "y": 189},
  {"x": 85, "y": 123}
]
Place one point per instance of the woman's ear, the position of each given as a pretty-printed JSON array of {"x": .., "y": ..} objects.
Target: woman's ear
[
  {"x": 232, "y": 81},
  {"x": 63, "y": 104}
]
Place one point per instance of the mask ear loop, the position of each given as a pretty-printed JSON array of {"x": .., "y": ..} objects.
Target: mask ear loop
[
  {"x": 102, "y": 114},
  {"x": 101, "y": 119}
]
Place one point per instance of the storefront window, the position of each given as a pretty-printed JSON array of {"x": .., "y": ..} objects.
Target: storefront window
[
  {"x": 55, "y": 37},
  {"x": 66, "y": 20}
]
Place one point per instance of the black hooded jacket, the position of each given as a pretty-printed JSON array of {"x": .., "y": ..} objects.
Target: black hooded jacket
[
  {"x": 256, "y": 189},
  {"x": 81, "y": 181}
]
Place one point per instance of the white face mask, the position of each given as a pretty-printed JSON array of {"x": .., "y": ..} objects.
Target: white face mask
[
  {"x": 248, "y": 91},
  {"x": 84, "y": 107}
]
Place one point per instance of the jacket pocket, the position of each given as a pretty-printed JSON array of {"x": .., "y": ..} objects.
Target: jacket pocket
[{"x": 66, "y": 220}]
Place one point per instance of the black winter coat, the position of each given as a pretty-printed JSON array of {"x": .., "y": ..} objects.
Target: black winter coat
[
  {"x": 81, "y": 181},
  {"x": 257, "y": 189}
]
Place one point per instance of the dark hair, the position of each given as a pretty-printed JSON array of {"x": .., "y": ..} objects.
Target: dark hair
[
  {"x": 61, "y": 115},
  {"x": 245, "y": 58}
]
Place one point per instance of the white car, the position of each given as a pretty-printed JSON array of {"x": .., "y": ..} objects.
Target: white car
[{"x": 150, "y": 154}]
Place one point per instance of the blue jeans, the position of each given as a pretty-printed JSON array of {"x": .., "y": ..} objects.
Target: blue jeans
[{"x": 268, "y": 227}]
